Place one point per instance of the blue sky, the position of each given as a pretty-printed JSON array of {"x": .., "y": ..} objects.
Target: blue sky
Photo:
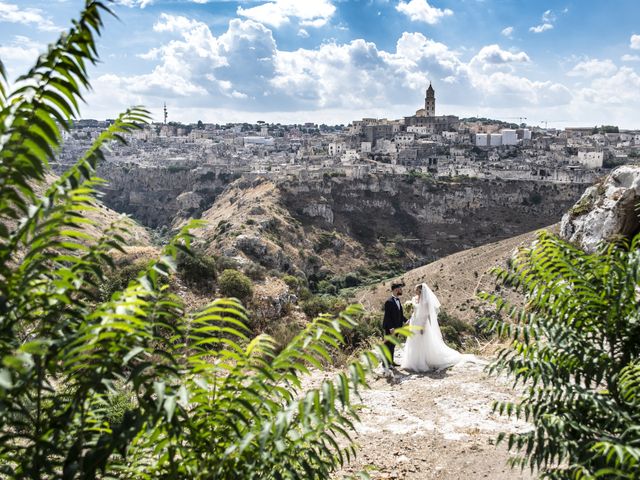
[{"x": 573, "y": 62}]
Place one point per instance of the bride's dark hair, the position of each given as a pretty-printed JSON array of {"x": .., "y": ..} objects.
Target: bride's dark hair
[{"x": 419, "y": 287}]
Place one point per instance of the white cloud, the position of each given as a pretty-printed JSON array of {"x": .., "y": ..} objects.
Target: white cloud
[
  {"x": 548, "y": 19},
  {"x": 593, "y": 68},
  {"x": 634, "y": 42},
  {"x": 507, "y": 32},
  {"x": 198, "y": 66},
  {"x": 493, "y": 54},
  {"x": 176, "y": 23},
  {"x": 20, "y": 54},
  {"x": 492, "y": 76},
  {"x": 21, "y": 49},
  {"x": 243, "y": 69},
  {"x": 310, "y": 13},
  {"x": 621, "y": 89},
  {"x": 136, "y": 3},
  {"x": 630, "y": 58},
  {"x": 548, "y": 16},
  {"x": 12, "y": 13},
  {"x": 303, "y": 33},
  {"x": 421, "y": 11},
  {"x": 152, "y": 54},
  {"x": 541, "y": 28}
]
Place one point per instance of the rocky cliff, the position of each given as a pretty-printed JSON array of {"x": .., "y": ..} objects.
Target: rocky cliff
[
  {"x": 425, "y": 218},
  {"x": 335, "y": 224},
  {"x": 156, "y": 196}
]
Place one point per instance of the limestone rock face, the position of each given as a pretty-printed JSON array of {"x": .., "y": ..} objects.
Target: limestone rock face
[
  {"x": 605, "y": 211},
  {"x": 189, "y": 201},
  {"x": 322, "y": 210}
]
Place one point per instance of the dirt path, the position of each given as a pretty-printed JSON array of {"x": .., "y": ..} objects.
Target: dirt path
[{"x": 435, "y": 426}]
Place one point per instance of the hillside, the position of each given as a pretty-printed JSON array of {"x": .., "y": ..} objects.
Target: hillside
[
  {"x": 250, "y": 222},
  {"x": 455, "y": 279}
]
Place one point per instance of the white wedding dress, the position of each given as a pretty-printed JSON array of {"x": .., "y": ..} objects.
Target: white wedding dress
[{"x": 425, "y": 349}]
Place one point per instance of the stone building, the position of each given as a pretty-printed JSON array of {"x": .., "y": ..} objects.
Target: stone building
[{"x": 426, "y": 117}]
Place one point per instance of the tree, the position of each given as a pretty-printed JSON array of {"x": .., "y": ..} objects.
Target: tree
[
  {"x": 134, "y": 386},
  {"x": 575, "y": 350}
]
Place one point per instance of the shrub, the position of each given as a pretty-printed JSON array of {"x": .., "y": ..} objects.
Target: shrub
[
  {"x": 392, "y": 251},
  {"x": 325, "y": 240},
  {"x": 316, "y": 305},
  {"x": 575, "y": 349},
  {"x": 304, "y": 293},
  {"x": 209, "y": 401},
  {"x": 535, "y": 198},
  {"x": 314, "y": 260},
  {"x": 197, "y": 269},
  {"x": 453, "y": 329},
  {"x": 283, "y": 331},
  {"x": 119, "y": 402},
  {"x": 235, "y": 284},
  {"x": 292, "y": 282},
  {"x": 367, "y": 326},
  {"x": 352, "y": 279},
  {"x": 326, "y": 287}
]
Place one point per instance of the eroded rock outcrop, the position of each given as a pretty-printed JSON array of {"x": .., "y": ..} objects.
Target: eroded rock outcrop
[
  {"x": 322, "y": 210},
  {"x": 605, "y": 211}
]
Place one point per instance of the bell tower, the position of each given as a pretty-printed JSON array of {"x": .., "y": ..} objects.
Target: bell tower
[{"x": 430, "y": 102}]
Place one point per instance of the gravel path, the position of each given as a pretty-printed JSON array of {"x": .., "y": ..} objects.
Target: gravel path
[{"x": 435, "y": 426}]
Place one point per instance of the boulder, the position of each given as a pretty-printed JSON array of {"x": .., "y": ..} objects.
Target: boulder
[
  {"x": 605, "y": 211},
  {"x": 251, "y": 245}
]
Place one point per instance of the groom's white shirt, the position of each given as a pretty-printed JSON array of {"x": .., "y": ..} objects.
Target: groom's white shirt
[{"x": 397, "y": 301}]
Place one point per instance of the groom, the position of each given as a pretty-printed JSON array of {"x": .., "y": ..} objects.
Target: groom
[{"x": 393, "y": 317}]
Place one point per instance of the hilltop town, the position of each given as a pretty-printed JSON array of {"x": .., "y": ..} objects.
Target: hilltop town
[{"x": 423, "y": 144}]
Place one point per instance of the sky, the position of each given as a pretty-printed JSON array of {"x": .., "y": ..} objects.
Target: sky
[{"x": 557, "y": 63}]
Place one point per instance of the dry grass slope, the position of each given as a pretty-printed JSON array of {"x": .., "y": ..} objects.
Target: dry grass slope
[
  {"x": 272, "y": 237},
  {"x": 456, "y": 279}
]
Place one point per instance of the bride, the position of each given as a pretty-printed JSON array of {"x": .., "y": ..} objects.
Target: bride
[{"x": 425, "y": 349}]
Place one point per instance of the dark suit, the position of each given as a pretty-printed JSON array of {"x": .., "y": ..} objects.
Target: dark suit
[{"x": 393, "y": 318}]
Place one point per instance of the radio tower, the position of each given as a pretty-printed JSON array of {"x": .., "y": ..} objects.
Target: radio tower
[{"x": 165, "y": 113}]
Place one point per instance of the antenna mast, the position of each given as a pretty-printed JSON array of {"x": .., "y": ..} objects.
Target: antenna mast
[{"x": 165, "y": 113}]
